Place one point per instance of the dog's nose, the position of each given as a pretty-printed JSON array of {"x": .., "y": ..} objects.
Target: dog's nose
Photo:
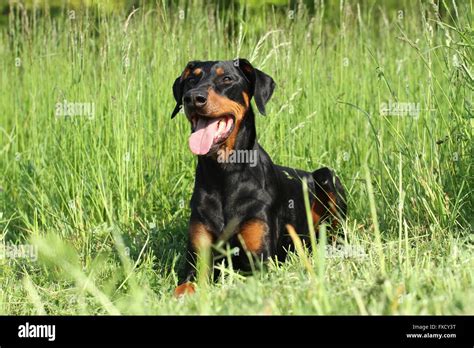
[
  {"x": 196, "y": 99},
  {"x": 200, "y": 100}
]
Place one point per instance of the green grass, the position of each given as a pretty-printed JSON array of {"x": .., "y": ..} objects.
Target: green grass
[{"x": 105, "y": 199}]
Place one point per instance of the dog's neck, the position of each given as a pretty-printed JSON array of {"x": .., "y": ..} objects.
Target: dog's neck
[
  {"x": 246, "y": 139},
  {"x": 247, "y": 136}
]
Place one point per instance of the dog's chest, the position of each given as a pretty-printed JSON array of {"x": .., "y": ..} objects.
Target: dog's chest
[{"x": 230, "y": 199}]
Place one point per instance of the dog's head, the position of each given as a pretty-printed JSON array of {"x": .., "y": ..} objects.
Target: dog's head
[{"x": 216, "y": 97}]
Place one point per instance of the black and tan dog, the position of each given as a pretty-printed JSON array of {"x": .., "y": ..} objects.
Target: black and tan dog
[{"x": 255, "y": 196}]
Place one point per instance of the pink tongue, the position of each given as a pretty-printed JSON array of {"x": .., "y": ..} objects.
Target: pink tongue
[{"x": 201, "y": 139}]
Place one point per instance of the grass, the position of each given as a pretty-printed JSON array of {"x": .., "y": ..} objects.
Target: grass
[{"x": 104, "y": 199}]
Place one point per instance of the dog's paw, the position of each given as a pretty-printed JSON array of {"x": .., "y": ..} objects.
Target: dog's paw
[{"x": 184, "y": 289}]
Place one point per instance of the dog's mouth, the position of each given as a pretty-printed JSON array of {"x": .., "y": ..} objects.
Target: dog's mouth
[{"x": 209, "y": 132}]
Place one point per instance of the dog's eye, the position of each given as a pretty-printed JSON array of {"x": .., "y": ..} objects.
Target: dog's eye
[
  {"x": 227, "y": 79},
  {"x": 192, "y": 81}
]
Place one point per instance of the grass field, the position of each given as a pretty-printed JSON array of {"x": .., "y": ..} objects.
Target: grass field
[{"x": 102, "y": 195}]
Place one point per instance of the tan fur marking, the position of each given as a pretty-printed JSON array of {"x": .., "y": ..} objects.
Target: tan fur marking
[
  {"x": 217, "y": 106},
  {"x": 220, "y": 71},
  {"x": 185, "y": 74},
  {"x": 246, "y": 98},
  {"x": 197, "y": 71},
  {"x": 184, "y": 289},
  {"x": 252, "y": 233},
  {"x": 317, "y": 211},
  {"x": 230, "y": 142},
  {"x": 321, "y": 206},
  {"x": 200, "y": 236},
  {"x": 332, "y": 203},
  {"x": 333, "y": 209}
]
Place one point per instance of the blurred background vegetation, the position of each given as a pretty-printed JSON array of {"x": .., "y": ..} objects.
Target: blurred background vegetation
[{"x": 104, "y": 7}]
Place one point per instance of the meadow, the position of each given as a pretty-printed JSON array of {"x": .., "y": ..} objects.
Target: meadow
[{"x": 96, "y": 178}]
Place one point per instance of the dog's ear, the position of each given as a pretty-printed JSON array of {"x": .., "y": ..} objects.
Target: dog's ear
[
  {"x": 178, "y": 87},
  {"x": 261, "y": 84},
  {"x": 178, "y": 95}
]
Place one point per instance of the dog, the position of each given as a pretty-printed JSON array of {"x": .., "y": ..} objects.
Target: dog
[{"x": 254, "y": 196}]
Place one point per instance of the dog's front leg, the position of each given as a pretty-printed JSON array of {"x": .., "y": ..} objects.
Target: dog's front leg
[
  {"x": 200, "y": 239},
  {"x": 254, "y": 238}
]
